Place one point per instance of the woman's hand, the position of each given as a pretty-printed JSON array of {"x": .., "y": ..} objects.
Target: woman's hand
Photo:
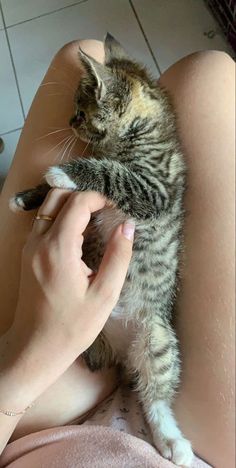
[{"x": 62, "y": 305}]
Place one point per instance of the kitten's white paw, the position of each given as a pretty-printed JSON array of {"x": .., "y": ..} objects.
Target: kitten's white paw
[
  {"x": 56, "y": 177},
  {"x": 16, "y": 204},
  {"x": 179, "y": 451},
  {"x": 182, "y": 454},
  {"x": 164, "y": 448}
]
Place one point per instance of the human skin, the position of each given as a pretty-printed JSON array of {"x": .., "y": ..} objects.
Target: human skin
[
  {"x": 78, "y": 390},
  {"x": 202, "y": 88},
  {"x": 71, "y": 303}
]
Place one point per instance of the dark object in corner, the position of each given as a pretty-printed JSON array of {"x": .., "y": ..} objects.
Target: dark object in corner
[
  {"x": 1, "y": 145},
  {"x": 225, "y": 13}
]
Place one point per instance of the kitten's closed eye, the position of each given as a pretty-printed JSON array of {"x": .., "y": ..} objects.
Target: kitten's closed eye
[{"x": 99, "y": 117}]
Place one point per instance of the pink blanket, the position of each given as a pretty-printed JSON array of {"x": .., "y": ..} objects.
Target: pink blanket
[
  {"x": 114, "y": 434},
  {"x": 83, "y": 447}
]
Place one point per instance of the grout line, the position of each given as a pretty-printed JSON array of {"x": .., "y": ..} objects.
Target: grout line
[
  {"x": 10, "y": 131},
  {"x": 12, "y": 62},
  {"x": 46, "y": 14},
  {"x": 145, "y": 37},
  {"x": 1, "y": 15}
]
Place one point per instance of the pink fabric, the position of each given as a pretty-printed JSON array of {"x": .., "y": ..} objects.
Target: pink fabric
[
  {"x": 83, "y": 447},
  {"x": 115, "y": 434}
]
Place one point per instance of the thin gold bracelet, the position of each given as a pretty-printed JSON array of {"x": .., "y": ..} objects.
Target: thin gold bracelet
[{"x": 12, "y": 413}]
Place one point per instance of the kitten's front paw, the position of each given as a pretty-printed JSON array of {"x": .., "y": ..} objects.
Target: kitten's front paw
[
  {"x": 182, "y": 454},
  {"x": 16, "y": 204},
  {"x": 179, "y": 451},
  {"x": 56, "y": 177}
]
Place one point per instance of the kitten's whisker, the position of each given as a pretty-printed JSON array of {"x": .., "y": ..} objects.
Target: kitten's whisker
[
  {"x": 51, "y": 83},
  {"x": 67, "y": 146},
  {"x": 62, "y": 149},
  {"x": 92, "y": 152},
  {"x": 58, "y": 94},
  {"x": 58, "y": 144},
  {"x": 52, "y": 133},
  {"x": 58, "y": 128},
  {"x": 62, "y": 72},
  {"x": 86, "y": 147},
  {"x": 71, "y": 148}
]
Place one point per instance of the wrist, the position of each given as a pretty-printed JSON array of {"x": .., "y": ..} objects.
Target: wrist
[
  {"x": 16, "y": 392},
  {"x": 26, "y": 371}
]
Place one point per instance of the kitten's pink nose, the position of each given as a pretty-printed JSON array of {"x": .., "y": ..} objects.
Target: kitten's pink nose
[{"x": 77, "y": 120}]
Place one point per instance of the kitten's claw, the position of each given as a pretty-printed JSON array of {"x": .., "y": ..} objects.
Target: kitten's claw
[
  {"x": 179, "y": 451},
  {"x": 16, "y": 204},
  {"x": 56, "y": 177}
]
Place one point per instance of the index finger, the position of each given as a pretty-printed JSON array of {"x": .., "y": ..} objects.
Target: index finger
[{"x": 76, "y": 213}]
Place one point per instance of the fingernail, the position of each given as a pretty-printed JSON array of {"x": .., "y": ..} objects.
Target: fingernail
[{"x": 128, "y": 229}]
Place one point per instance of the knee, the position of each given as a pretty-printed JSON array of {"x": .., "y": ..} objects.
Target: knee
[
  {"x": 200, "y": 75},
  {"x": 92, "y": 47},
  {"x": 217, "y": 57},
  {"x": 217, "y": 61},
  {"x": 200, "y": 71}
]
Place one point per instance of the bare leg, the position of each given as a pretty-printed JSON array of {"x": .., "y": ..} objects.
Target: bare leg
[
  {"x": 78, "y": 390},
  {"x": 202, "y": 86}
]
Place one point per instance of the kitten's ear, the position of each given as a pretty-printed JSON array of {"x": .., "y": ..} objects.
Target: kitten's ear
[
  {"x": 97, "y": 73},
  {"x": 113, "y": 49}
]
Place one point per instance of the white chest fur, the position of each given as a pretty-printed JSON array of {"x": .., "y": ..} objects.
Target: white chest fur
[
  {"x": 120, "y": 333},
  {"x": 107, "y": 220}
]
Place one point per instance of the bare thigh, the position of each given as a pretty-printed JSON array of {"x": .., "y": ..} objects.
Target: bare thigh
[
  {"x": 203, "y": 102},
  {"x": 202, "y": 87},
  {"x": 78, "y": 390}
]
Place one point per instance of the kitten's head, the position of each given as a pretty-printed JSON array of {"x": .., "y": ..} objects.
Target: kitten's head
[{"x": 114, "y": 100}]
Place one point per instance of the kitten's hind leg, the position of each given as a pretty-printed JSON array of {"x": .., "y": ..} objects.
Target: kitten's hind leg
[
  {"x": 29, "y": 199},
  {"x": 154, "y": 354},
  {"x": 100, "y": 354}
]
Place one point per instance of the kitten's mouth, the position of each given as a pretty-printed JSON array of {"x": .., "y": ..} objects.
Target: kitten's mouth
[
  {"x": 82, "y": 133},
  {"x": 81, "y": 129}
]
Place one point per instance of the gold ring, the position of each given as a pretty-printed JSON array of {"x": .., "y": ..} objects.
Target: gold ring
[{"x": 43, "y": 217}]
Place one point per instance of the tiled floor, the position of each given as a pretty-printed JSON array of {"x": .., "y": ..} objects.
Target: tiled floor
[{"x": 157, "y": 32}]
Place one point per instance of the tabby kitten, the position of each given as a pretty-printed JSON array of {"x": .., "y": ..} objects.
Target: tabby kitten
[{"x": 139, "y": 167}]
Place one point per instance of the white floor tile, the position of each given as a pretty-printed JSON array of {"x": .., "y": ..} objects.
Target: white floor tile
[
  {"x": 175, "y": 28},
  {"x": 16, "y": 11},
  {"x": 34, "y": 43},
  {"x": 10, "y": 143},
  {"x": 10, "y": 111}
]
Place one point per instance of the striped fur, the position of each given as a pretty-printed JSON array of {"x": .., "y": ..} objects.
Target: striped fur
[{"x": 138, "y": 165}]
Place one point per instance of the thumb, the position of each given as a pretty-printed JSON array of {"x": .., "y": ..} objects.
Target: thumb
[{"x": 112, "y": 272}]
